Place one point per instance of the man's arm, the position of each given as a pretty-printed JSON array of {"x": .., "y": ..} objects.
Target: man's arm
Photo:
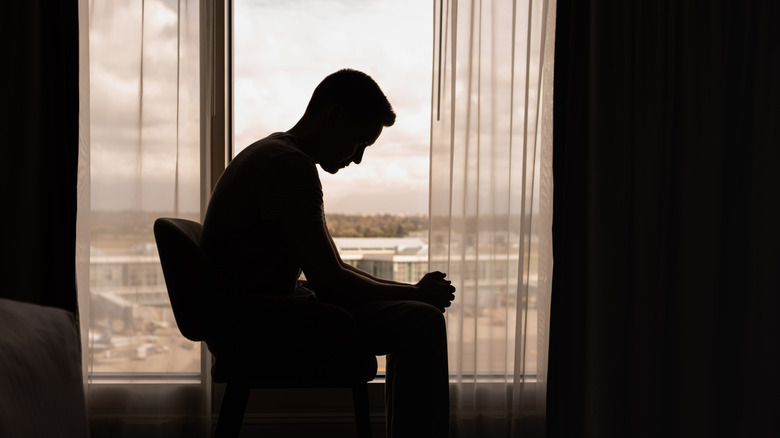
[
  {"x": 354, "y": 269},
  {"x": 334, "y": 281},
  {"x": 430, "y": 276}
]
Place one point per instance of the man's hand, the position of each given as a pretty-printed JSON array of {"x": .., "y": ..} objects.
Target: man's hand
[{"x": 435, "y": 290}]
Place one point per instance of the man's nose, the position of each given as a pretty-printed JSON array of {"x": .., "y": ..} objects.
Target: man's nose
[{"x": 358, "y": 157}]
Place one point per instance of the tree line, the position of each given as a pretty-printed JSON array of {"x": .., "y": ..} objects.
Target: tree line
[
  {"x": 375, "y": 225},
  {"x": 134, "y": 224}
]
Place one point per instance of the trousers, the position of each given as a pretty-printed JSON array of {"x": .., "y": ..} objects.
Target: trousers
[{"x": 413, "y": 336}]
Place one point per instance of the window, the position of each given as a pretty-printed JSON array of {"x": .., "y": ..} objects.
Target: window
[{"x": 146, "y": 163}]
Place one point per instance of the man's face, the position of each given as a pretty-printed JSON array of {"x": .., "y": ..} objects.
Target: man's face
[{"x": 348, "y": 144}]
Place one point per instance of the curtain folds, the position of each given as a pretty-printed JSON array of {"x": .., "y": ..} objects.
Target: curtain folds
[
  {"x": 491, "y": 206},
  {"x": 666, "y": 239},
  {"x": 40, "y": 145}
]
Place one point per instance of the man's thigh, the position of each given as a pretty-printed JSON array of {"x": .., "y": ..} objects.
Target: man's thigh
[{"x": 386, "y": 326}]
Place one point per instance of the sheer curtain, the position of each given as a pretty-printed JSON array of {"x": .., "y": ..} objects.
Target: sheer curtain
[
  {"x": 491, "y": 206},
  {"x": 142, "y": 160}
]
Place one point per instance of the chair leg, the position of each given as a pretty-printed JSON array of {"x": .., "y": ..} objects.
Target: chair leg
[
  {"x": 362, "y": 417},
  {"x": 231, "y": 413}
]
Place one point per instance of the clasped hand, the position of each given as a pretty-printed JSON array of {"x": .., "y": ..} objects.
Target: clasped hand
[{"x": 437, "y": 291}]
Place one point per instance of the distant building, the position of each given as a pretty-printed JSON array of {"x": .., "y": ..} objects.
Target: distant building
[
  {"x": 128, "y": 290},
  {"x": 402, "y": 259}
]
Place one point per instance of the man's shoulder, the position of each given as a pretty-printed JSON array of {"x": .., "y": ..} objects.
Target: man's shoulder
[
  {"x": 275, "y": 145},
  {"x": 272, "y": 162}
]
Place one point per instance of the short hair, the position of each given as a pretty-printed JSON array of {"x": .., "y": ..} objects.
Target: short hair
[{"x": 357, "y": 92}]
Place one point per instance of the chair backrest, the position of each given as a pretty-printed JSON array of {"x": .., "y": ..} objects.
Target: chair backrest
[{"x": 194, "y": 285}]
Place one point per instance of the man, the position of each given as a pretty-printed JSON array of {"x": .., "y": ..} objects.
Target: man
[{"x": 265, "y": 223}]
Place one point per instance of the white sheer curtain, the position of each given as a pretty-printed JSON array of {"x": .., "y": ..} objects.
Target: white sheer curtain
[
  {"x": 141, "y": 160},
  {"x": 491, "y": 206}
]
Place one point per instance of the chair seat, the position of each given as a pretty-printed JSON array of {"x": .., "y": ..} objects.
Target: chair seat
[
  {"x": 272, "y": 341},
  {"x": 307, "y": 373}
]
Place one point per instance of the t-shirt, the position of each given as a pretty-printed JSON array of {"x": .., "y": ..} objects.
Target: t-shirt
[{"x": 269, "y": 181}]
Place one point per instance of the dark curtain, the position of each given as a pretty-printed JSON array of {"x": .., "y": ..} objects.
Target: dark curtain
[
  {"x": 666, "y": 229},
  {"x": 40, "y": 151}
]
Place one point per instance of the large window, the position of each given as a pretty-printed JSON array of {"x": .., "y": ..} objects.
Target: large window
[
  {"x": 157, "y": 118},
  {"x": 145, "y": 77}
]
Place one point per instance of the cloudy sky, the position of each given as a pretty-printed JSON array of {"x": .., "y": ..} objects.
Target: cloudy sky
[
  {"x": 283, "y": 49},
  {"x": 142, "y": 88}
]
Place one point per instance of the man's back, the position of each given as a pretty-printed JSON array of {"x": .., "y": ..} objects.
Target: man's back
[{"x": 269, "y": 181}]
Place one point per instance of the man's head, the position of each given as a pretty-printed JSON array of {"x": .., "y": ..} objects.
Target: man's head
[
  {"x": 361, "y": 97},
  {"x": 349, "y": 111}
]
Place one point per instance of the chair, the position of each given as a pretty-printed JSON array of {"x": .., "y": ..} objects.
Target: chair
[{"x": 259, "y": 341}]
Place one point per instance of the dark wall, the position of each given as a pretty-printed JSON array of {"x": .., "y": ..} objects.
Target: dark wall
[{"x": 666, "y": 288}]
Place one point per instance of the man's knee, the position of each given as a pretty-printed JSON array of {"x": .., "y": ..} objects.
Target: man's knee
[
  {"x": 430, "y": 319},
  {"x": 427, "y": 312}
]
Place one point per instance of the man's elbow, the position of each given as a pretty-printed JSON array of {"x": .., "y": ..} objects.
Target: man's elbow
[{"x": 330, "y": 285}]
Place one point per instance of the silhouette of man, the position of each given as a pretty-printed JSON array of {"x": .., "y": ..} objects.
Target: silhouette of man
[{"x": 265, "y": 223}]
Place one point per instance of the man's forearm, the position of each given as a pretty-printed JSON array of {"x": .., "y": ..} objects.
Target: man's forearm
[
  {"x": 369, "y": 276},
  {"x": 350, "y": 286},
  {"x": 354, "y": 285},
  {"x": 357, "y": 270}
]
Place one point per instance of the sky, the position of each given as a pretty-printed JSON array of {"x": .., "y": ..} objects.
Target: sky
[
  {"x": 283, "y": 49},
  {"x": 142, "y": 88}
]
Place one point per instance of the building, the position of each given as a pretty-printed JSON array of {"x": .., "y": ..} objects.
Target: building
[{"x": 402, "y": 259}]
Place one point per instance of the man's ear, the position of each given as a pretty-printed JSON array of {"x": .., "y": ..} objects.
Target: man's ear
[{"x": 335, "y": 114}]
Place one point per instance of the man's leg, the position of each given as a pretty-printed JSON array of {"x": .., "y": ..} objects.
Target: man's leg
[{"x": 414, "y": 337}]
